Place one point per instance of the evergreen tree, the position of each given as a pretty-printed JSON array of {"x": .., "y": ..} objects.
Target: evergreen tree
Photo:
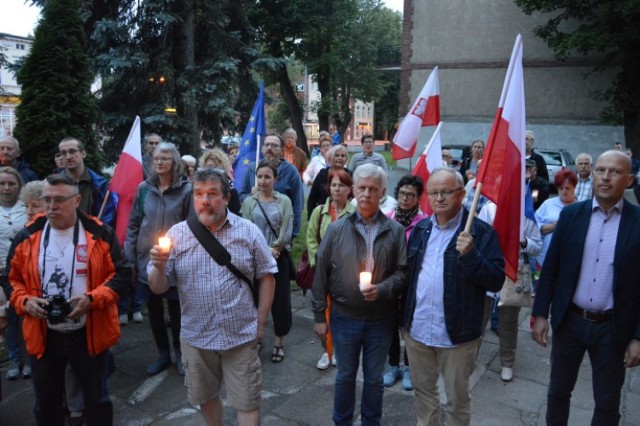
[{"x": 56, "y": 99}]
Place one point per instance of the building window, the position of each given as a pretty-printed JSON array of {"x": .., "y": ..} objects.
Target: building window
[{"x": 20, "y": 46}]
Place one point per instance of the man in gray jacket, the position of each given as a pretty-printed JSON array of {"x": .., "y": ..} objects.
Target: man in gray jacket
[{"x": 361, "y": 264}]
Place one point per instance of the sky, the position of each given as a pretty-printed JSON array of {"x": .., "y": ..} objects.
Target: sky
[{"x": 19, "y": 19}]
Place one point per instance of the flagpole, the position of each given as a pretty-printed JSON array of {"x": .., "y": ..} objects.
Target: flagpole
[
  {"x": 104, "y": 203},
  {"x": 492, "y": 134},
  {"x": 257, "y": 155}
]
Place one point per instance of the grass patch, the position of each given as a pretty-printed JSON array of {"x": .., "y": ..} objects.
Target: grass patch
[{"x": 388, "y": 158}]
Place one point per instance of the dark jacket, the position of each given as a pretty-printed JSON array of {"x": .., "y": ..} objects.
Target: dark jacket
[
  {"x": 466, "y": 278},
  {"x": 25, "y": 170},
  {"x": 338, "y": 269},
  {"x": 539, "y": 190},
  {"x": 562, "y": 264},
  {"x": 541, "y": 165}
]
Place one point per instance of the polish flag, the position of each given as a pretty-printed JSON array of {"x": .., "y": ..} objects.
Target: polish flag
[
  {"x": 430, "y": 160},
  {"x": 425, "y": 111},
  {"x": 126, "y": 178},
  {"x": 502, "y": 172}
]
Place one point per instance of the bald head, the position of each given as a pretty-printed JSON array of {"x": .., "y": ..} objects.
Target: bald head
[{"x": 611, "y": 176}]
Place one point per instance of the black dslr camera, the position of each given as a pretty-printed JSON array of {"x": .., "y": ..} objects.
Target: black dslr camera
[{"x": 57, "y": 309}]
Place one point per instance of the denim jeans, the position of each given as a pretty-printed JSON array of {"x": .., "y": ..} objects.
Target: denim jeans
[
  {"x": 14, "y": 341},
  {"x": 570, "y": 341},
  {"x": 49, "y": 373},
  {"x": 351, "y": 338}
]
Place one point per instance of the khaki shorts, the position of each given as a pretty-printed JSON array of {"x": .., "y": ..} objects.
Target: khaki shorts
[{"x": 239, "y": 368}]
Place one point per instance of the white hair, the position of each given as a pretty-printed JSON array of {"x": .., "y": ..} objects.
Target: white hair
[{"x": 370, "y": 170}]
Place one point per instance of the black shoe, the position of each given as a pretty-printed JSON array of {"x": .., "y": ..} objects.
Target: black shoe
[{"x": 158, "y": 365}]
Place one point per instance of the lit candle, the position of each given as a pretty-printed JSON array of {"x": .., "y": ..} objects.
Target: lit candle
[
  {"x": 365, "y": 280},
  {"x": 165, "y": 244}
]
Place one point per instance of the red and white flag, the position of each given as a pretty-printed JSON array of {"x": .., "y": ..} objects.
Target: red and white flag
[
  {"x": 502, "y": 171},
  {"x": 430, "y": 160},
  {"x": 425, "y": 111},
  {"x": 126, "y": 178}
]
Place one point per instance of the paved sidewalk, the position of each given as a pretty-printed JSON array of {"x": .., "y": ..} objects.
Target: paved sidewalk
[{"x": 296, "y": 393}]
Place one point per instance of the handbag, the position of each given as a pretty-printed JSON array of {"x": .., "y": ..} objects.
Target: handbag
[
  {"x": 305, "y": 272},
  {"x": 518, "y": 293}
]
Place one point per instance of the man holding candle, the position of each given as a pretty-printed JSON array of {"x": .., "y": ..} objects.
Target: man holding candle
[
  {"x": 221, "y": 326},
  {"x": 450, "y": 271},
  {"x": 361, "y": 262}
]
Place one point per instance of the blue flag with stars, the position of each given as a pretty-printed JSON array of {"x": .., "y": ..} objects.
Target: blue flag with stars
[{"x": 249, "y": 145}]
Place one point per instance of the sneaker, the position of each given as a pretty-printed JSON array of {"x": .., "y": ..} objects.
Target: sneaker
[
  {"x": 124, "y": 319},
  {"x": 76, "y": 418},
  {"x": 13, "y": 373},
  {"x": 158, "y": 365},
  {"x": 406, "y": 379},
  {"x": 507, "y": 374},
  {"x": 137, "y": 317},
  {"x": 392, "y": 376},
  {"x": 334, "y": 362},
  {"x": 324, "y": 363},
  {"x": 26, "y": 371}
]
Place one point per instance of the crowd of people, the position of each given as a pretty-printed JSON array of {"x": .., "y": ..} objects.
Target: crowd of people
[{"x": 219, "y": 261}]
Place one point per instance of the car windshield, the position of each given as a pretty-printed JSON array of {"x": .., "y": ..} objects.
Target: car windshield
[{"x": 551, "y": 158}]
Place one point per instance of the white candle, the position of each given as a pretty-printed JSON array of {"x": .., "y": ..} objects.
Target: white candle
[
  {"x": 365, "y": 277},
  {"x": 165, "y": 244},
  {"x": 365, "y": 280}
]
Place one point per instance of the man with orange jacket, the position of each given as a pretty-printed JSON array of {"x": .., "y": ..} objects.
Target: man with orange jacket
[{"x": 75, "y": 321}]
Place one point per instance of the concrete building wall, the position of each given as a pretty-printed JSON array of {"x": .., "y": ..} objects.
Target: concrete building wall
[{"x": 471, "y": 42}]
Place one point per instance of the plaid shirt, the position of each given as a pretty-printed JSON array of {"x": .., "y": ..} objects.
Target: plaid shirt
[
  {"x": 584, "y": 189},
  {"x": 218, "y": 311}
]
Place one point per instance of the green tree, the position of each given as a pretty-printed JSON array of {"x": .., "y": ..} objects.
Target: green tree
[
  {"x": 56, "y": 99},
  {"x": 608, "y": 30}
]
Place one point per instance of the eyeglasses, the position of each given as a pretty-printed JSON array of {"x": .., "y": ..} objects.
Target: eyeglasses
[
  {"x": 615, "y": 173},
  {"x": 407, "y": 195},
  {"x": 56, "y": 200},
  {"x": 444, "y": 194},
  {"x": 71, "y": 151},
  {"x": 367, "y": 142}
]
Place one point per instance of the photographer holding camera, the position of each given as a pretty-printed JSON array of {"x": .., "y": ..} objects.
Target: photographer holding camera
[{"x": 66, "y": 270}]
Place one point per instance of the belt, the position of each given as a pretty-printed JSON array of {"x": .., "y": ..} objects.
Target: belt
[{"x": 593, "y": 316}]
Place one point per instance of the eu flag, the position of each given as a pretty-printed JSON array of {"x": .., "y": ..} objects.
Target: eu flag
[{"x": 255, "y": 129}]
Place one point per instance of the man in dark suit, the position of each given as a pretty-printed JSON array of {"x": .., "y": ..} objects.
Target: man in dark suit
[{"x": 589, "y": 281}]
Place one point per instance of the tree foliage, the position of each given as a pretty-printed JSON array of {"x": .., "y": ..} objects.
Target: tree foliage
[
  {"x": 203, "y": 58},
  {"x": 56, "y": 79},
  {"x": 608, "y": 29}
]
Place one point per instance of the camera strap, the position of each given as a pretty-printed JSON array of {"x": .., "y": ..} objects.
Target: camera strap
[{"x": 45, "y": 244}]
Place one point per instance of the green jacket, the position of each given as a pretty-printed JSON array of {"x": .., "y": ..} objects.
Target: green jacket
[{"x": 312, "y": 228}]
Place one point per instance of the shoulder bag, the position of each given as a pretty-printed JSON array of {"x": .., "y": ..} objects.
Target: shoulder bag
[
  {"x": 218, "y": 252},
  {"x": 518, "y": 293}
]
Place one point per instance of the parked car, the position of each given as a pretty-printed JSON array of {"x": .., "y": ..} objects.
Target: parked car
[
  {"x": 556, "y": 159},
  {"x": 458, "y": 152}
]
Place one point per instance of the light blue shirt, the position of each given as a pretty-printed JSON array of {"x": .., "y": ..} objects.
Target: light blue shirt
[
  {"x": 429, "y": 327},
  {"x": 595, "y": 285}
]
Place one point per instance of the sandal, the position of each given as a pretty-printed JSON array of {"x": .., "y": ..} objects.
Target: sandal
[{"x": 277, "y": 355}]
